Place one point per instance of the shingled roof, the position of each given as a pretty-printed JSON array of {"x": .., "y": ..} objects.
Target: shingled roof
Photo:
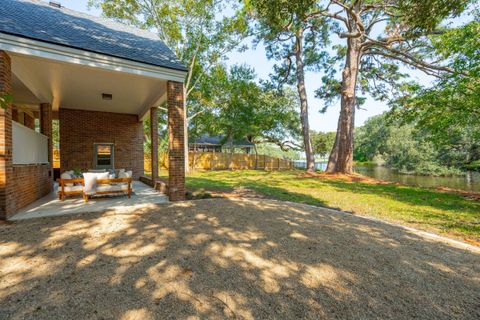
[
  {"x": 219, "y": 141},
  {"x": 38, "y": 20}
]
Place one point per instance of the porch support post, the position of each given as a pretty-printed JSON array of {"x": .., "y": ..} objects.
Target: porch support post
[
  {"x": 6, "y": 169},
  {"x": 176, "y": 142},
  {"x": 154, "y": 141},
  {"x": 46, "y": 128},
  {"x": 46, "y": 117}
]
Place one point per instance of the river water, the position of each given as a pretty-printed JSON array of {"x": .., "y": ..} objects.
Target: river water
[{"x": 469, "y": 182}]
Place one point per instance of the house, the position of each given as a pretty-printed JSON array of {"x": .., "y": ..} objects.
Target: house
[
  {"x": 100, "y": 79},
  {"x": 206, "y": 143}
]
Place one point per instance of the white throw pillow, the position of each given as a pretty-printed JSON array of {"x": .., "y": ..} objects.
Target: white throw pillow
[
  {"x": 66, "y": 175},
  {"x": 90, "y": 182},
  {"x": 125, "y": 174},
  {"x": 103, "y": 175}
]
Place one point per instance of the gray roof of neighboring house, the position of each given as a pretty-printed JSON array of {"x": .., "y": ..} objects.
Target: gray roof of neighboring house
[
  {"x": 219, "y": 141},
  {"x": 39, "y": 21}
]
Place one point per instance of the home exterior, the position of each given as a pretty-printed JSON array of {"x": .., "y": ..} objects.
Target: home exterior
[
  {"x": 100, "y": 80},
  {"x": 206, "y": 143}
]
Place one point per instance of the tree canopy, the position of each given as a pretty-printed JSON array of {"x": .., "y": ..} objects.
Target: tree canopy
[{"x": 243, "y": 108}]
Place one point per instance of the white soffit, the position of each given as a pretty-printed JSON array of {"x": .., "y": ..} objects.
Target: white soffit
[{"x": 74, "y": 86}]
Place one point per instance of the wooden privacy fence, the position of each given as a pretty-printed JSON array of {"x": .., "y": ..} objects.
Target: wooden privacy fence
[{"x": 227, "y": 161}]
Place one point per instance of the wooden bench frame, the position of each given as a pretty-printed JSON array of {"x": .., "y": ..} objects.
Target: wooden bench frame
[
  {"x": 62, "y": 182},
  {"x": 61, "y": 187}
]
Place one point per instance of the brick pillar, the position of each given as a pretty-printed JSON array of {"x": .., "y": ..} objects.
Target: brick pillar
[
  {"x": 6, "y": 170},
  {"x": 154, "y": 140},
  {"x": 176, "y": 142},
  {"x": 46, "y": 127},
  {"x": 28, "y": 121}
]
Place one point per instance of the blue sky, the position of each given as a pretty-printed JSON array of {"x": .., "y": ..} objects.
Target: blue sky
[{"x": 256, "y": 58}]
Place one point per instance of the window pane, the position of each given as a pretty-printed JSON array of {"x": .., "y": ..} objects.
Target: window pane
[{"x": 104, "y": 155}]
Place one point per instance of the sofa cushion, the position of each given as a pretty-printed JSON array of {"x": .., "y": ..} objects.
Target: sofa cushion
[
  {"x": 73, "y": 188},
  {"x": 110, "y": 187},
  {"x": 66, "y": 175},
  {"x": 102, "y": 176},
  {"x": 125, "y": 174}
]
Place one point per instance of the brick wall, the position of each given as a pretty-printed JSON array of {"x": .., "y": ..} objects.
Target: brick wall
[
  {"x": 29, "y": 121},
  {"x": 154, "y": 141},
  {"x": 46, "y": 127},
  {"x": 176, "y": 141},
  {"x": 29, "y": 183},
  {"x": 80, "y": 129},
  {"x": 6, "y": 208}
]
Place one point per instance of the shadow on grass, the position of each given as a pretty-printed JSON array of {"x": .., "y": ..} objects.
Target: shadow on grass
[
  {"x": 436, "y": 209},
  {"x": 265, "y": 189}
]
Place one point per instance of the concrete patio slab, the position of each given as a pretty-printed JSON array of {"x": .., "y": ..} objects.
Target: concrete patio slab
[{"x": 49, "y": 206}]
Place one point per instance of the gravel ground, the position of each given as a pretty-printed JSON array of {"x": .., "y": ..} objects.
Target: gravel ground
[{"x": 232, "y": 258}]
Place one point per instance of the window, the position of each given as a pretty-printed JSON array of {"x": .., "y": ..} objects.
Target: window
[{"x": 104, "y": 153}]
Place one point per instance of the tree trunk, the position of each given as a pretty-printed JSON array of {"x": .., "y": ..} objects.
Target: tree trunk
[
  {"x": 303, "y": 102},
  {"x": 341, "y": 157}
]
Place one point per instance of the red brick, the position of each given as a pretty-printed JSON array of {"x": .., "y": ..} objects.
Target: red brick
[
  {"x": 29, "y": 183},
  {"x": 176, "y": 142},
  {"x": 6, "y": 191},
  {"x": 80, "y": 130},
  {"x": 154, "y": 141}
]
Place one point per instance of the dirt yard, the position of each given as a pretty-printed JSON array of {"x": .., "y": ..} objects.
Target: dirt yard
[{"x": 232, "y": 258}]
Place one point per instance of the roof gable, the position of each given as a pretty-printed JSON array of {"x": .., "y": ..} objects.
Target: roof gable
[{"x": 39, "y": 21}]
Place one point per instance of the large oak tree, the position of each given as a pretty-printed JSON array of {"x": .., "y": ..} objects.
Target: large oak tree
[{"x": 379, "y": 35}]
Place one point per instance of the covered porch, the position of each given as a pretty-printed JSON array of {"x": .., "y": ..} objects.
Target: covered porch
[
  {"x": 143, "y": 197},
  {"x": 98, "y": 92}
]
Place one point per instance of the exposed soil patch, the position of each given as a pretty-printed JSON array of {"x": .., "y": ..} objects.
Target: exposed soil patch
[
  {"x": 466, "y": 194},
  {"x": 232, "y": 258},
  {"x": 237, "y": 192},
  {"x": 352, "y": 177}
]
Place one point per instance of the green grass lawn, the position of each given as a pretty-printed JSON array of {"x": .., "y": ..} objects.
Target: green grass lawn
[{"x": 423, "y": 208}]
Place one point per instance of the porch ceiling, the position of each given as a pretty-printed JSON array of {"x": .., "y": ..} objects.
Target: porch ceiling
[{"x": 76, "y": 86}]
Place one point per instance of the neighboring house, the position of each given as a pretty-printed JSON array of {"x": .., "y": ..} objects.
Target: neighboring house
[
  {"x": 207, "y": 143},
  {"x": 100, "y": 79}
]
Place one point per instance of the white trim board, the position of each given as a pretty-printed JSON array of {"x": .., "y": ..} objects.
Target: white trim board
[{"x": 20, "y": 45}]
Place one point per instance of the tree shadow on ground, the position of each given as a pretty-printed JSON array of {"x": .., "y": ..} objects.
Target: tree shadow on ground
[
  {"x": 442, "y": 211},
  {"x": 223, "y": 258}
]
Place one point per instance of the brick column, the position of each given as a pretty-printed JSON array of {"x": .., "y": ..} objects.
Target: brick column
[
  {"x": 176, "y": 142},
  {"x": 46, "y": 127},
  {"x": 6, "y": 170},
  {"x": 154, "y": 140},
  {"x": 46, "y": 118}
]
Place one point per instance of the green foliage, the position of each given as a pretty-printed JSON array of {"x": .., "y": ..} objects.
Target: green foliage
[
  {"x": 450, "y": 109},
  {"x": 286, "y": 28},
  {"x": 5, "y": 100},
  {"x": 404, "y": 148},
  {"x": 242, "y": 108},
  {"x": 200, "y": 33},
  {"x": 322, "y": 142},
  {"x": 272, "y": 150}
]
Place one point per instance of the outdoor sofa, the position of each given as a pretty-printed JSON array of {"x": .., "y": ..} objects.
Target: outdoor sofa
[{"x": 95, "y": 183}]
